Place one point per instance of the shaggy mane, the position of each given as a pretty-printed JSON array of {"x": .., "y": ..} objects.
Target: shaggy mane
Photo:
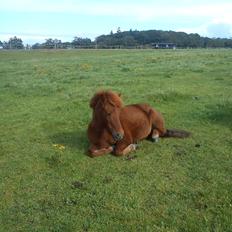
[{"x": 106, "y": 97}]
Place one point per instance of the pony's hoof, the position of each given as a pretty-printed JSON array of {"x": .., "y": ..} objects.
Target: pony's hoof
[
  {"x": 133, "y": 147},
  {"x": 155, "y": 139}
]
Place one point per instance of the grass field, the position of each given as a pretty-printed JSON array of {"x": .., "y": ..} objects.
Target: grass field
[{"x": 47, "y": 183}]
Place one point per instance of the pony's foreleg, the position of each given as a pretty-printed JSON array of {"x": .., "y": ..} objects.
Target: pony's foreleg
[
  {"x": 128, "y": 149},
  {"x": 93, "y": 152}
]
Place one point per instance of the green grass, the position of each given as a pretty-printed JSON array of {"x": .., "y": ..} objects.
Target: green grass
[{"x": 174, "y": 185}]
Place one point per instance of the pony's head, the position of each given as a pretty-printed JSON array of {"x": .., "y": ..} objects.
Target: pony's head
[{"x": 106, "y": 108}]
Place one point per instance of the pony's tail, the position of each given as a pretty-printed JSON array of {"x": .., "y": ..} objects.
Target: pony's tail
[{"x": 177, "y": 133}]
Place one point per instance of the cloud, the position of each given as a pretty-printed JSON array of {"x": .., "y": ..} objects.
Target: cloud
[
  {"x": 29, "y": 38},
  {"x": 201, "y": 30},
  {"x": 214, "y": 29},
  {"x": 219, "y": 30},
  {"x": 211, "y": 17},
  {"x": 140, "y": 11},
  {"x": 34, "y": 37}
]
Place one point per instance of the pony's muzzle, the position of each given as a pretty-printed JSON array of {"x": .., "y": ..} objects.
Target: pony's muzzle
[{"x": 117, "y": 136}]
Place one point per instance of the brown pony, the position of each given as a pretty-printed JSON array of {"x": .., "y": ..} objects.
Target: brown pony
[{"x": 117, "y": 128}]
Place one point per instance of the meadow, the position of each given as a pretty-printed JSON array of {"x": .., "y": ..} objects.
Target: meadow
[{"x": 48, "y": 183}]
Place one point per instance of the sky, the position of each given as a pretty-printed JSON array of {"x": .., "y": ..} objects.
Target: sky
[{"x": 35, "y": 21}]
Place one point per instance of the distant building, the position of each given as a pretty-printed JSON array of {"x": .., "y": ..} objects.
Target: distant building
[
  {"x": 163, "y": 45},
  {"x": 1, "y": 47}
]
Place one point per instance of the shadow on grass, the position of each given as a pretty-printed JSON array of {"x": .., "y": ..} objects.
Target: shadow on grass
[
  {"x": 222, "y": 114},
  {"x": 75, "y": 140}
]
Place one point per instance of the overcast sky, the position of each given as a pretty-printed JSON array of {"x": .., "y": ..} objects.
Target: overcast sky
[{"x": 35, "y": 21}]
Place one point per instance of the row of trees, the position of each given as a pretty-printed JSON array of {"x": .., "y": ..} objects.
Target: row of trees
[
  {"x": 17, "y": 43},
  {"x": 78, "y": 42},
  {"x": 13, "y": 43},
  {"x": 126, "y": 39},
  {"x": 147, "y": 38}
]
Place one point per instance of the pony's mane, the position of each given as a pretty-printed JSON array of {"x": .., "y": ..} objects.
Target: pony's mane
[{"x": 105, "y": 97}]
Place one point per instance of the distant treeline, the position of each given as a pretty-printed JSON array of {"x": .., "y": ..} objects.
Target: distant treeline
[
  {"x": 148, "y": 38},
  {"x": 127, "y": 39}
]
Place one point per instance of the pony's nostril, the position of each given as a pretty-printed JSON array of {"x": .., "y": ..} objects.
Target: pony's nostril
[{"x": 118, "y": 136}]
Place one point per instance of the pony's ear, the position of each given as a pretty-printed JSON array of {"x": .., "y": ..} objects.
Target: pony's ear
[{"x": 93, "y": 101}]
